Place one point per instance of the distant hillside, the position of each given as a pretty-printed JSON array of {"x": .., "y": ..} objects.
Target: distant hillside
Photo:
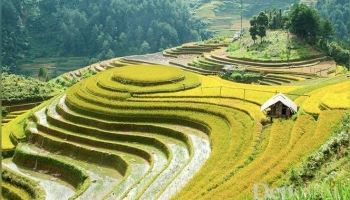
[
  {"x": 93, "y": 29},
  {"x": 224, "y": 17}
]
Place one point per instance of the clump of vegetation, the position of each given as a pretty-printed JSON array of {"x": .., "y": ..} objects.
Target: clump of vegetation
[
  {"x": 3, "y": 112},
  {"x": 21, "y": 88},
  {"x": 243, "y": 76},
  {"x": 335, "y": 148},
  {"x": 233, "y": 47}
]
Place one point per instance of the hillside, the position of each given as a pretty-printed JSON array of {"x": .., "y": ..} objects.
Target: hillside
[
  {"x": 56, "y": 30},
  {"x": 155, "y": 131},
  {"x": 224, "y": 17}
]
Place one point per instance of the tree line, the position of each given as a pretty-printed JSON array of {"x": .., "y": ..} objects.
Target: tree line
[{"x": 96, "y": 29}]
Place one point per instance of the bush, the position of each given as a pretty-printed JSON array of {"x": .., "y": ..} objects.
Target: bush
[
  {"x": 3, "y": 112},
  {"x": 233, "y": 47},
  {"x": 237, "y": 77},
  {"x": 21, "y": 88},
  {"x": 339, "y": 54}
]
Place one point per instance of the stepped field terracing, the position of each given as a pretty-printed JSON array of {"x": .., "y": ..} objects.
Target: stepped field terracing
[{"x": 156, "y": 132}]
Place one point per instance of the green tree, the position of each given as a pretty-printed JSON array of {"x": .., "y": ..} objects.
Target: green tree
[
  {"x": 326, "y": 32},
  {"x": 144, "y": 48},
  {"x": 304, "y": 22},
  {"x": 276, "y": 20},
  {"x": 253, "y": 29},
  {"x": 42, "y": 74},
  {"x": 258, "y": 26},
  {"x": 110, "y": 54},
  {"x": 195, "y": 35},
  {"x": 139, "y": 34},
  {"x": 262, "y": 22}
]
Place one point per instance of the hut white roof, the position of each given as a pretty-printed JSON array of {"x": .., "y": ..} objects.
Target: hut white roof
[
  {"x": 227, "y": 67},
  {"x": 283, "y": 99}
]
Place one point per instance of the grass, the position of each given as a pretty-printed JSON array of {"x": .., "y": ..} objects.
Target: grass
[
  {"x": 271, "y": 48},
  {"x": 330, "y": 97},
  {"x": 338, "y": 97},
  {"x": 308, "y": 86},
  {"x": 180, "y": 81},
  {"x": 213, "y": 86},
  {"x": 147, "y": 74},
  {"x": 338, "y": 189}
]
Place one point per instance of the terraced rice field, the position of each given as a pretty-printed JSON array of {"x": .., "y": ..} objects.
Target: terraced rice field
[
  {"x": 212, "y": 57},
  {"x": 10, "y": 116},
  {"x": 146, "y": 131}
]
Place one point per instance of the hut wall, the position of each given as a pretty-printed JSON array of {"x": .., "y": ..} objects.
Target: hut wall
[{"x": 279, "y": 110}]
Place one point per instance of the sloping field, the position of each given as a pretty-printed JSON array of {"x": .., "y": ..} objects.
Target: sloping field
[
  {"x": 259, "y": 60},
  {"x": 146, "y": 131}
]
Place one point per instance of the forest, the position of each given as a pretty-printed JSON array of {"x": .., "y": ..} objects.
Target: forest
[
  {"x": 95, "y": 29},
  {"x": 338, "y": 12},
  {"x": 100, "y": 30}
]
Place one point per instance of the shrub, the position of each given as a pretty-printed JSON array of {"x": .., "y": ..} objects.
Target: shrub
[{"x": 237, "y": 77}]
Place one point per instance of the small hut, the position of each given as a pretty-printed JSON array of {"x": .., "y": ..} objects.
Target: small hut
[
  {"x": 233, "y": 68},
  {"x": 227, "y": 68},
  {"x": 279, "y": 106}
]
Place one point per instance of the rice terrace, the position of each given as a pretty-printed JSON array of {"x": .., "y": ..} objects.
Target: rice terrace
[
  {"x": 187, "y": 123},
  {"x": 137, "y": 130}
]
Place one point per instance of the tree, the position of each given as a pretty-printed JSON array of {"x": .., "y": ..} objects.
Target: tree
[
  {"x": 258, "y": 26},
  {"x": 262, "y": 23},
  {"x": 139, "y": 34},
  {"x": 275, "y": 19},
  {"x": 195, "y": 36},
  {"x": 326, "y": 31},
  {"x": 42, "y": 74},
  {"x": 110, "y": 54},
  {"x": 144, "y": 47},
  {"x": 304, "y": 22},
  {"x": 339, "y": 54},
  {"x": 253, "y": 29}
]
